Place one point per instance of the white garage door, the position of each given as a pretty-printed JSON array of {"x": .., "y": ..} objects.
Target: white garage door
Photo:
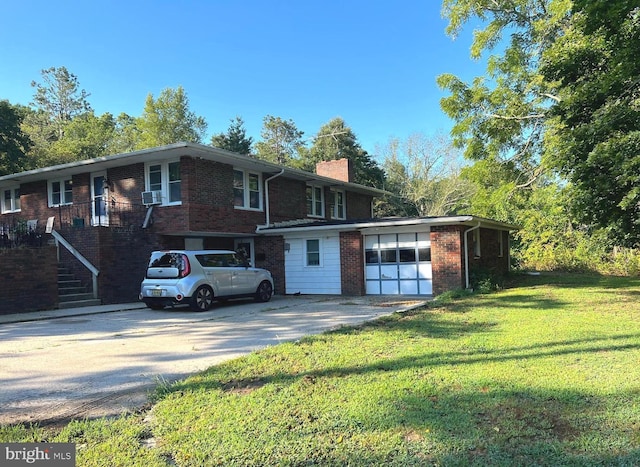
[{"x": 398, "y": 264}]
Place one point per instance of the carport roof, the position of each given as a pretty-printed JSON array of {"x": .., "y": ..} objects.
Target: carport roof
[{"x": 363, "y": 224}]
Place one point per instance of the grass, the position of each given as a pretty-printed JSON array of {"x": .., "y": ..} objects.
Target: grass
[{"x": 544, "y": 372}]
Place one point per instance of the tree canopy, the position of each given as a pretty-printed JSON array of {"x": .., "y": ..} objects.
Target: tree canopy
[
  {"x": 280, "y": 142},
  {"x": 560, "y": 94},
  {"x": 595, "y": 126},
  {"x": 60, "y": 98},
  {"x": 235, "y": 139},
  {"x": 14, "y": 143},
  {"x": 168, "y": 119},
  {"x": 335, "y": 140}
]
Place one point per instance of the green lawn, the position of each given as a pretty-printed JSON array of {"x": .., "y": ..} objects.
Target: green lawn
[{"x": 546, "y": 372}]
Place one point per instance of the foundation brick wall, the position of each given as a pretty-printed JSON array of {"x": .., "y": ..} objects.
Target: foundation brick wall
[
  {"x": 351, "y": 263},
  {"x": 32, "y": 274}
]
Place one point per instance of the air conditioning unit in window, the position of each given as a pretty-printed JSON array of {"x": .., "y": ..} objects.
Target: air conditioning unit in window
[{"x": 151, "y": 197}]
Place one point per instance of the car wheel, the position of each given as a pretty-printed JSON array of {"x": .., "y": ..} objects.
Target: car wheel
[
  {"x": 202, "y": 299},
  {"x": 264, "y": 292}
]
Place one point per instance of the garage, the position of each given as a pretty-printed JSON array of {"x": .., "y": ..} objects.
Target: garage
[
  {"x": 398, "y": 263},
  {"x": 312, "y": 263}
]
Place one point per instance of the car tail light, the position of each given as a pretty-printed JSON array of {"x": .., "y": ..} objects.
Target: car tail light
[{"x": 186, "y": 266}]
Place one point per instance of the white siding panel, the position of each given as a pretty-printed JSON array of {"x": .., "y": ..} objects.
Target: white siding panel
[{"x": 323, "y": 279}]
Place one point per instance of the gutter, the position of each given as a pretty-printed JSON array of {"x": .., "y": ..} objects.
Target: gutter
[
  {"x": 466, "y": 254},
  {"x": 266, "y": 201},
  {"x": 373, "y": 224}
]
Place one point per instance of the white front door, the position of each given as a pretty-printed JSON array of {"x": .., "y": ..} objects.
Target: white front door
[{"x": 99, "y": 198}]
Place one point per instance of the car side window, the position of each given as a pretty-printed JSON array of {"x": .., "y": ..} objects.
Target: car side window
[
  {"x": 210, "y": 261},
  {"x": 235, "y": 261}
]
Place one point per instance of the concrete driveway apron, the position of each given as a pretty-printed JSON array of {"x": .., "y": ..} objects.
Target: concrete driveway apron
[{"x": 68, "y": 364}]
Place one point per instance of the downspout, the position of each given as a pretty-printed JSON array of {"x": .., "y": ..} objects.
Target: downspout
[
  {"x": 266, "y": 201},
  {"x": 466, "y": 254}
]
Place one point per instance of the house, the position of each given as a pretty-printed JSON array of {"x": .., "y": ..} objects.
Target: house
[{"x": 315, "y": 232}]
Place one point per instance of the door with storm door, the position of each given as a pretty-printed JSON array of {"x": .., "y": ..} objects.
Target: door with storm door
[{"x": 99, "y": 198}]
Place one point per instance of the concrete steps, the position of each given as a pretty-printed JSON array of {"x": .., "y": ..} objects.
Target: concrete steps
[{"x": 71, "y": 292}]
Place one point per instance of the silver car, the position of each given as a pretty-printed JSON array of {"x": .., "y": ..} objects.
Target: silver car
[{"x": 197, "y": 278}]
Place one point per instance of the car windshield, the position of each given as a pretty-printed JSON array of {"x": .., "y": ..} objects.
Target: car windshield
[{"x": 166, "y": 260}]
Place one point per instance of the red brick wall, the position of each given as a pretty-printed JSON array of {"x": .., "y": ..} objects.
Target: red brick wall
[
  {"x": 490, "y": 260},
  {"x": 29, "y": 279},
  {"x": 120, "y": 254},
  {"x": 288, "y": 199},
  {"x": 358, "y": 206},
  {"x": 341, "y": 169},
  {"x": 272, "y": 250},
  {"x": 126, "y": 184},
  {"x": 352, "y": 263},
  {"x": 448, "y": 261},
  {"x": 123, "y": 257},
  {"x": 447, "y": 258}
]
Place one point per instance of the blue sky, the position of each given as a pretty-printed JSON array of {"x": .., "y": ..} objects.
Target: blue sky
[{"x": 373, "y": 63}]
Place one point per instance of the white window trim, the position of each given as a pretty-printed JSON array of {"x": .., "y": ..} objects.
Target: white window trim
[
  {"x": 164, "y": 173},
  {"x": 476, "y": 243},
  {"x": 13, "y": 189},
  {"x": 50, "y": 191},
  {"x": 314, "y": 200},
  {"x": 247, "y": 192},
  {"x": 334, "y": 214},
  {"x": 306, "y": 251}
]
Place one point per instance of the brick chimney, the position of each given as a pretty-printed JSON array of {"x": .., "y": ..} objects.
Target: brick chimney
[{"x": 342, "y": 169}]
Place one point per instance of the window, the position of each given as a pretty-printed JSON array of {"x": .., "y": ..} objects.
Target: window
[
  {"x": 337, "y": 204},
  {"x": 315, "y": 201},
  {"x": 60, "y": 192},
  {"x": 500, "y": 243},
  {"x": 165, "y": 177},
  {"x": 175, "y": 182},
  {"x": 247, "y": 190},
  {"x": 10, "y": 200},
  {"x": 313, "y": 252},
  {"x": 476, "y": 243}
]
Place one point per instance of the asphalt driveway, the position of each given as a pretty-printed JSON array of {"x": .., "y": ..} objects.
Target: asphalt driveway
[{"x": 103, "y": 361}]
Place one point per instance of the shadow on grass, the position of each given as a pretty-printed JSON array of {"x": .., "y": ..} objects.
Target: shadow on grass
[
  {"x": 470, "y": 356},
  {"x": 573, "y": 280},
  {"x": 482, "y": 425},
  {"x": 520, "y": 427}
]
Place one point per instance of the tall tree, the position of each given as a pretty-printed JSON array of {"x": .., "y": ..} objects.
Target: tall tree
[
  {"x": 235, "y": 139},
  {"x": 563, "y": 95},
  {"x": 126, "y": 135},
  {"x": 502, "y": 115},
  {"x": 280, "y": 142},
  {"x": 85, "y": 137},
  {"x": 425, "y": 173},
  {"x": 14, "y": 143},
  {"x": 335, "y": 140},
  {"x": 168, "y": 120},
  {"x": 60, "y": 98},
  {"x": 596, "y": 123}
]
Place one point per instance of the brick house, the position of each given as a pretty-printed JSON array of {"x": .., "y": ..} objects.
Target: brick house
[{"x": 315, "y": 232}]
